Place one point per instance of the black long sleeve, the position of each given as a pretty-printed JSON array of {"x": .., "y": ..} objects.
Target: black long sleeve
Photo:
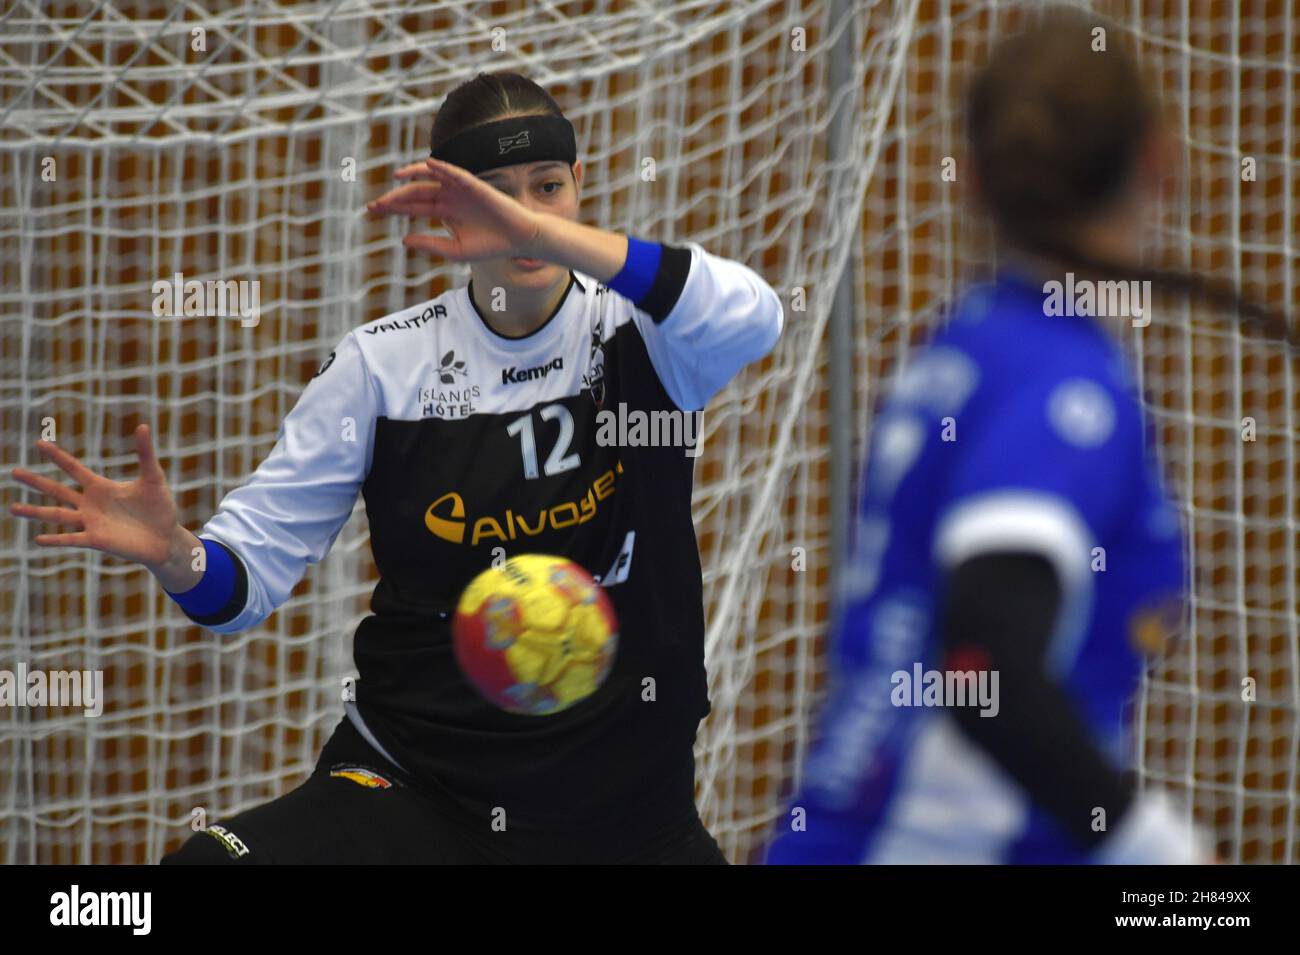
[{"x": 999, "y": 611}]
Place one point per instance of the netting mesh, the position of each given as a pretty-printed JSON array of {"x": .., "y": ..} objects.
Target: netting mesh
[{"x": 802, "y": 138}]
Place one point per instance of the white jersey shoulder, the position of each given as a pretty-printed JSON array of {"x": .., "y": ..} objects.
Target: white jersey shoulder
[{"x": 440, "y": 359}]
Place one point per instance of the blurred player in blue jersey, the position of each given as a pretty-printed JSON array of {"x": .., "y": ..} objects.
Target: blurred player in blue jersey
[{"x": 1015, "y": 554}]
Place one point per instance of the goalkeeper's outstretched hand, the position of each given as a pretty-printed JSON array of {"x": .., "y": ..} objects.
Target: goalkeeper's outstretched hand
[{"x": 134, "y": 520}]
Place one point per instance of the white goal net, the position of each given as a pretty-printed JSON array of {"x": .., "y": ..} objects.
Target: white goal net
[{"x": 240, "y": 141}]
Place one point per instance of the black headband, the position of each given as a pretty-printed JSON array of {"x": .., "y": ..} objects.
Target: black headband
[{"x": 504, "y": 142}]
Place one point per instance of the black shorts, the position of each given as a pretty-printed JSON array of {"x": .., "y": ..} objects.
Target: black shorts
[{"x": 358, "y": 808}]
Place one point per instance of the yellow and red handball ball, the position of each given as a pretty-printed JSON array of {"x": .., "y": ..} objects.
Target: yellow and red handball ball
[{"x": 535, "y": 635}]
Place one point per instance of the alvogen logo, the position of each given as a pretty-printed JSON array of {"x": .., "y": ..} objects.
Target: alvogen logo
[
  {"x": 133, "y": 909},
  {"x": 447, "y": 517}
]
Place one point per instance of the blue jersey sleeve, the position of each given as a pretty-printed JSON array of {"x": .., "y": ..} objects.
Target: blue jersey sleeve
[{"x": 1047, "y": 468}]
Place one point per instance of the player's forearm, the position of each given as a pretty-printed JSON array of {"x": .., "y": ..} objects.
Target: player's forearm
[
  {"x": 585, "y": 249},
  {"x": 177, "y": 573},
  {"x": 999, "y": 612}
]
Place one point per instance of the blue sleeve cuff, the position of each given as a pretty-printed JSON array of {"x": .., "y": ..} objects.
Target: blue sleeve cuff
[
  {"x": 637, "y": 276},
  {"x": 215, "y": 588}
]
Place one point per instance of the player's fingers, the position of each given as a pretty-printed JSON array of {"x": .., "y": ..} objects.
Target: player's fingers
[
  {"x": 43, "y": 484},
  {"x": 410, "y": 189},
  {"x": 150, "y": 469},
  {"x": 458, "y": 181},
  {"x": 415, "y": 170},
  {"x": 461, "y": 182},
  {"x": 79, "y": 539},
  {"x": 66, "y": 462},
  {"x": 418, "y": 173},
  {"x": 424, "y": 210},
  {"x": 424, "y": 192},
  {"x": 461, "y": 189},
  {"x": 55, "y": 515},
  {"x": 438, "y": 245},
  {"x": 445, "y": 172}
]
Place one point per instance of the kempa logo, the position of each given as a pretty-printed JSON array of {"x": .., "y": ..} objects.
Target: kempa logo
[
  {"x": 519, "y": 140},
  {"x": 946, "y": 688},
  {"x": 103, "y": 908},
  {"x": 1126, "y": 299},
  {"x": 83, "y": 688},
  {"x": 512, "y": 376},
  {"x": 446, "y": 518}
]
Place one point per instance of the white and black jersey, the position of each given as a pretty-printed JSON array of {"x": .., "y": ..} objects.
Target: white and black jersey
[{"x": 467, "y": 446}]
